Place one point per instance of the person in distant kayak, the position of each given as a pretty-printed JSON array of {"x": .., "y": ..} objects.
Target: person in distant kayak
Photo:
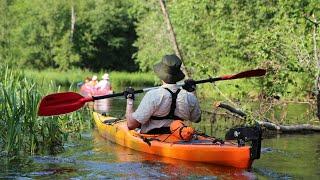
[
  {"x": 104, "y": 84},
  {"x": 84, "y": 83},
  {"x": 159, "y": 107},
  {"x": 94, "y": 81}
]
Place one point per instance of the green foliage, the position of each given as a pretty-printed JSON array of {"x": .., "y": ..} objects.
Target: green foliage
[
  {"x": 218, "y": 37},
  {"x": 153, "y": 41},
  {"x": 63, "y": 79},
  {"x": 38, "y": 34},
  {"x": 215, "y": 37},
  {"x": 21, "y": 130},
  {"x": 119, "y": 80},
  {"x": 104, "y": 35},
  {"x": 52, "y": 77}
]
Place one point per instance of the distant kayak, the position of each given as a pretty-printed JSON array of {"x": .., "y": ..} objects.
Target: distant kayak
[
  {"x": 87, "y": 90},
  {"x": 203, "y": 148}
]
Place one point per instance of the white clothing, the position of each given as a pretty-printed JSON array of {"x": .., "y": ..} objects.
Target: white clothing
[
  {"x": 103, "y": 85},
  {"x": 157, "y": 103}
]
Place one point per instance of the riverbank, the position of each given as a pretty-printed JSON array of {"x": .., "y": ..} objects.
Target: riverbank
[{"x": 75, "y": 76}]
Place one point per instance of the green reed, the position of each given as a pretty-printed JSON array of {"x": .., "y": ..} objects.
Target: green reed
[
  {"x": 64, "y": 79},
  {"x": 21, "y": 130},
  {"x": 137, "y": 79},
  {"x": 74, "y": 76}
]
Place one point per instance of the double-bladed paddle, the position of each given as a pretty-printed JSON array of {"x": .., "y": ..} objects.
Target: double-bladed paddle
[{"x": 65, "y": 102}]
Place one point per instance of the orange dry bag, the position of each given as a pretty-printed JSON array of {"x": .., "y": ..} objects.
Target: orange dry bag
[{"x": 181, "y": 131}]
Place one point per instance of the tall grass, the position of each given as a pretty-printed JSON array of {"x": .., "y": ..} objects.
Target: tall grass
[
  {"x": 64, "y": 79},
  {"x": 21, "y": 130},
  {"x": 137, "y": 79},
  {"x": 74, "y": 76}
]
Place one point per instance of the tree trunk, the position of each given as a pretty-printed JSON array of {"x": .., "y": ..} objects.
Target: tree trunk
[
  {"x": 173, "y": 36},
  {"x": 318, "y": 96},
  {"x": 73, "y": 22},
  {"x": 314, "y": 37},
  {"x": 301, "y": 128}
]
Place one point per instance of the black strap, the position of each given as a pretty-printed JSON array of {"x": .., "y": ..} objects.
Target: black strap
[
  {"x": 162, "y": 130},
  {"x": 180, "y": 131},
  {"x": 172, "y": 108}
]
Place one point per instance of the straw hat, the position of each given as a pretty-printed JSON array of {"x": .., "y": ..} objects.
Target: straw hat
[
  {"x": 94, "y": 78},
  {"x": 105, "y": 76}
]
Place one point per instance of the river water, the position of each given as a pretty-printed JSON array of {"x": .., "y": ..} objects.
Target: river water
[{"x": 92, "y": 157}]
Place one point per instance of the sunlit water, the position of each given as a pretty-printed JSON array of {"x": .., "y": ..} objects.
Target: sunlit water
[{"x": 92, "y": 157}]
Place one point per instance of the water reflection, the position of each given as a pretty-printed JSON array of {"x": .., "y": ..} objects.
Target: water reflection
[
  {"x": 291, "y": 156},
  {"x": 102, "y": 106},
  {"x": 92, "y": 157},
  {"x": 288, "y": 156},
  {"x": 162, "y": 166}
]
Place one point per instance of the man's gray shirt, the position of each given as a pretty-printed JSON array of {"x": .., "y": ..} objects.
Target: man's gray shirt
[{"x": 157, "y": 103}]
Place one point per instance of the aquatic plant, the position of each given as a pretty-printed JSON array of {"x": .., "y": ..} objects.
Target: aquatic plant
[{"x": 21, "y": 130}]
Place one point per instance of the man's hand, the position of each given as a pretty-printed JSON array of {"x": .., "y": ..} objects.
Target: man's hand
[
  {"x": 129, "y": 93},
  {"x": 189, "y": 85}
]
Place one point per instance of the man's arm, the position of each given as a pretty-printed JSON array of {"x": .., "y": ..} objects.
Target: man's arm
[
  {"x": 131, "y": 122},
  {"x": 195, "y": 110}
]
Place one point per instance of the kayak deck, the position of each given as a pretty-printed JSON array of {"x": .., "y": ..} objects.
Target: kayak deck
[{"x": 204, "y": 149}]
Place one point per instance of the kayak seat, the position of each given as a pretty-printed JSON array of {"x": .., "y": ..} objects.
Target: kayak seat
[{"x": 110, "y": 121}]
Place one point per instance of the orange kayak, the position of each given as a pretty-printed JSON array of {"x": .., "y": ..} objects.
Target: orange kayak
[{"x": 203, "y": 149}]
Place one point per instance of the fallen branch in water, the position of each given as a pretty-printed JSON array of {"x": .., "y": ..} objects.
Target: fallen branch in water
[
  {"x": 301, "y": 128},
  {"x": 289, "y": 128}
]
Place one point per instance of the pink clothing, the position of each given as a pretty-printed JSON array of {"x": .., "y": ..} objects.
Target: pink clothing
[{"x": 101, "y": 88}]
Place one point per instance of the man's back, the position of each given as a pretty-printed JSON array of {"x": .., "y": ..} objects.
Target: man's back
[
  {"x": 155, "y": 110},
  {"x": 158, "y": 103}
]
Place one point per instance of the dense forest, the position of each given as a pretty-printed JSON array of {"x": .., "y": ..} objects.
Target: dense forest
[{"x": 214, "y": 36}]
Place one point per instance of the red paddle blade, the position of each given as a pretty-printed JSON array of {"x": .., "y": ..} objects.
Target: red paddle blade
[
  {"x": 245, "y": 74},
  {"x": 61, "y": 103}
]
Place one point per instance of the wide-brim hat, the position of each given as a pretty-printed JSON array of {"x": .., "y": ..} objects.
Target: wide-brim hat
[
  {"x": 105, "y": 76},
  {"x": 168, "y": 69},
  {"x": 94, "y": 78}
]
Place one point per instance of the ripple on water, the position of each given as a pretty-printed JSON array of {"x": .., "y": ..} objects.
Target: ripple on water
[
  {"x": 62, "y": 167},
  {"x": 272, "y": 174},
  {"x": 51, "y": 159}
]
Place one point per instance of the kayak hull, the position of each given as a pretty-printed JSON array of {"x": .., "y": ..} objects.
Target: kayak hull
[{"x": 227, "y": 154}]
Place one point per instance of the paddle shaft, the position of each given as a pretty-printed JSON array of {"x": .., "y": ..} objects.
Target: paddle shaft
[
  {"x": 227, "y": 77},
  {"x": 61, "y": 103},
  {"x": 119, "y": 94}
]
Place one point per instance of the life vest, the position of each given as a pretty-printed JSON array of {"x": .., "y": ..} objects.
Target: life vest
[{"x": 172, "y": 107}]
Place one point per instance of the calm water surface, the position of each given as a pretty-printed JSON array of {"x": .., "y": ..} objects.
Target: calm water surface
[{"x": 92, "y": 157}]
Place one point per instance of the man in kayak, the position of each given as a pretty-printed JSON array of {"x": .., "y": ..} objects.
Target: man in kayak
[{"x": 159, "y": 107}]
